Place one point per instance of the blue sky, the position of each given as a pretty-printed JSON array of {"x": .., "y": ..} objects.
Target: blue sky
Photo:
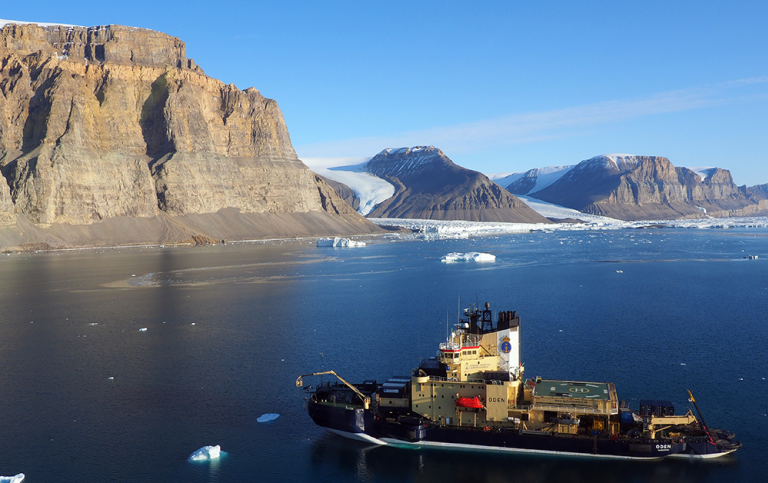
[{"x": 499, "y": 86}]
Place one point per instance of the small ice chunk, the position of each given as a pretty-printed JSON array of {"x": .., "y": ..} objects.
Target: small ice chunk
[
  {"x": 339, "y": 242},
  {"x": 265, "y": 418},
  {"x": 206, "y": 453},
  {"x": 143, "y": 329},
  {"x": 111, "y": 378},
  {"x": 12, "y": 479},
  {"x": 469, "y": 257}
]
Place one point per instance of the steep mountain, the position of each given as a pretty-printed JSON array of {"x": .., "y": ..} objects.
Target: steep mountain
[
  {"x": 111, "y": 135},
  {"x": 533, "y": 180},
  {"x": 631, "y": 187},
  {"x": 757, "y": 192},
  {"x": 430, "y": 186}
]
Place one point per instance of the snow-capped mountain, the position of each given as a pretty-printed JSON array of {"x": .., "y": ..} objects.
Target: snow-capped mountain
[
  {"x": 630, "y": 187},
  {"x": 431, "y": 186},
  {"x": 422, "y": 182},
  {"x": 531, "y": 181}
]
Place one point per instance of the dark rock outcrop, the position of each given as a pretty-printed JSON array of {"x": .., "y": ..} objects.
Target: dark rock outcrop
[
  {"x": 646, "y": 187},
  {"x": 430, "y": 186},
  {"x": 115, "y": 123},
  {"x": 346, "y": 193}
]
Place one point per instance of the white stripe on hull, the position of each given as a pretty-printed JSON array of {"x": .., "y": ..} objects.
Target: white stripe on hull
[
  {"x": 708, "y": 456},
  {"x": 434, "y": 444},
  {"x": 357, "y": 436}
]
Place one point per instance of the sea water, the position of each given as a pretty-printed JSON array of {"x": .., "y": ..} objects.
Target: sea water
[{"x": 87, "y": 395}]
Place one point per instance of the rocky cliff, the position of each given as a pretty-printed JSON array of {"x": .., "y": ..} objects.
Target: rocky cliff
[
  {"x": 757, "y": 192},
  {"x": 430, "y": 186},
  {"x": 646, "y": 187},
  {"x": 108, "y": 124}
]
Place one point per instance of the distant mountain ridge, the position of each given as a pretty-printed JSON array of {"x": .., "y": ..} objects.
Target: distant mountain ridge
[
  {"x": 632, "y": 187},
  {"x": 430, "y": 186},
  {"x": 532, "y": 180}
]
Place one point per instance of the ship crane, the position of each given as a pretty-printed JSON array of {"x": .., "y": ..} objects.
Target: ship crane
[{"x": 366, "y": 399}]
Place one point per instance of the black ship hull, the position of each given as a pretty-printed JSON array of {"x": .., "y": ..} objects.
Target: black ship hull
[{"x": 363, "y": 425}]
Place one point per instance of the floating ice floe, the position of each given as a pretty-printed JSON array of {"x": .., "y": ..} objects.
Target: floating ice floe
[
  {"x": 12, "y": 479},
  {"x": 339, "y": 242},
  {"x": 265, "y": 418},
  {"x": 143, "y": 329},
  {"x": 206, "y": 453},
  {"x": 469, "y": 257}
]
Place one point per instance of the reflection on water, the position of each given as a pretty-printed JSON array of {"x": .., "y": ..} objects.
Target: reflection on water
[
  {"x": 337, "y": 459},
  {"x": 86, "y": 393}
]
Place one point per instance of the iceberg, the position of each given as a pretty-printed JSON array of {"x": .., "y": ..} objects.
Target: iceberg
[
  {"x": 206, "y": 453},
  {"x": 265, "y": 418},
  {"x": 12, "y": 479},
  {"x": 339, "y": 242},
  {"x": 469, "y": 257}
]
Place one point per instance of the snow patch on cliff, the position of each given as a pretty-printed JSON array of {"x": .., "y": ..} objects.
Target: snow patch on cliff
[
  {"x": 3, "y": 23},
  {"x": 413, "y": 160},
  {"x": 704, "y": 171}
]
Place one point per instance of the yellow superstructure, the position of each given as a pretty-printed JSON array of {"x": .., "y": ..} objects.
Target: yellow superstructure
[{"x": 481, "y": 360}]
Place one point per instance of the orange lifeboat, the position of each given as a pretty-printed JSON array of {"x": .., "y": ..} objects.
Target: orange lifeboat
[{"x": 469, "y": 402}]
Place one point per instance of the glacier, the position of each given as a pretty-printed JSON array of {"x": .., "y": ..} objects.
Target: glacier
[{"x": 369, "y": 189}]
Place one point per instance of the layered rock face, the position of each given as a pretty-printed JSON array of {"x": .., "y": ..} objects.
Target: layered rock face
[
  {"x": 646, "y": 187},
  {"x": 431, "y": 186},
  {"x": 757, "y": 192},
  {"x": 106, "y": 122}
]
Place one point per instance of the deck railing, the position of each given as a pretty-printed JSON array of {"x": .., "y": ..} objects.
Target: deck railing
[
  {"x": 569, "y": 409},
  {"x": 454, "y": 346}
]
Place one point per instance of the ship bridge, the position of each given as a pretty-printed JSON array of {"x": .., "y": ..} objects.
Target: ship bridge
[{"x": 478, "y": 345}]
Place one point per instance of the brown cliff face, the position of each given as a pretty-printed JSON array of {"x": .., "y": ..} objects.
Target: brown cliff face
[
  {"x": 106, "y": 122},
  {"x": 646, "y": 187}
]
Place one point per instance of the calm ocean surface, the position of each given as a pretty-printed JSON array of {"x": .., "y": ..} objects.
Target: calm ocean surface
[{"x": 85, "y": 396}]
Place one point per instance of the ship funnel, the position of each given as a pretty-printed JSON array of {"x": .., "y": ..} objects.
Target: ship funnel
[{"x": 487, "y": 306}]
